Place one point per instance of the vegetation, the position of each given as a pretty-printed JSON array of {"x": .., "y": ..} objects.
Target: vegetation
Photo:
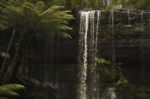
[
  {"x": 28, "y": 27},
  {"x": 10, "y": 90},
  {"x": 29, "y": 21}
]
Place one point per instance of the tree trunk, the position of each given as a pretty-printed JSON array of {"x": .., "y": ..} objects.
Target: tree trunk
[
  {"x": 10, "y": 70},
  {"x": 4, "y": 66}
]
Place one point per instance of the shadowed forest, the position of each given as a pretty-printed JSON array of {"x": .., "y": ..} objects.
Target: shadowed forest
[{"x": 74, "y": 49}]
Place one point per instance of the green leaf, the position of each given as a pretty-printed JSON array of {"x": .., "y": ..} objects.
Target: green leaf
[{"x": 10, "y": 89}]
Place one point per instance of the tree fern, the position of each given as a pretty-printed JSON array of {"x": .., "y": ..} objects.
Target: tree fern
[
  {"x": 26, "y": 16},
  {"x": 10, "y": 89},
  {"x": 33, "y": 21}
]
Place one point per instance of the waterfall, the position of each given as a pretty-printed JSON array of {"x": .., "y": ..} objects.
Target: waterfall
[
  {"x": 89, "y": 30},
  {"x": 113, "y": 40},
  {"x": 89, "y": 82},
  {"x": 94, "y": 26},
  {"x": 93, "y": 77},
  {"x": 84, "y": 24}
]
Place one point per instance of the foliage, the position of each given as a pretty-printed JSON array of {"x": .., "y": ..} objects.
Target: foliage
[
  {"x": 10, "y": 89},
  {"x": 111, "y": 74},
  {"x": 3, "y": 54},
  {"x": 102, "y": 61},
  {"x": 32, "y": 22},
  {"x": 97, "y": 4},
  {"x": 26, "y": 17},
  {"x": 140, "y": 4}
]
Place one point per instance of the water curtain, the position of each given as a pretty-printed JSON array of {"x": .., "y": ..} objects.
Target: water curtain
[{"x": 89, "y": 24}]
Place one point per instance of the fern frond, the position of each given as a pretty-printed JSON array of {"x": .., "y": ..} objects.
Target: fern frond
[
  {"x": 35, "y": 17},
  {"x": 10, "y": 89},
  {"x": 40, "y": 6},
  {"x": 51, "y": 10},
  {"x": 65, "y": 35}
]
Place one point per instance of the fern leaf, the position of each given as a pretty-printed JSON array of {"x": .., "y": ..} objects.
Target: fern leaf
[{"x": 10, "y": 89}]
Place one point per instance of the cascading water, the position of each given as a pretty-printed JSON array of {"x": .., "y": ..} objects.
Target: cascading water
[
  {"x": 94, "y": 25},
  {"x": 111, "y": 91},
  {"x": 113, "y": 39},
  {"x": 88, "y": 49},
  {"x": 89, "y": 82},
  {"x": 96, "y": 75},
  {"x": 128, "y": 15},
  {"x": 84, "y": 24},
  {"x": 93, "y": 76}
]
